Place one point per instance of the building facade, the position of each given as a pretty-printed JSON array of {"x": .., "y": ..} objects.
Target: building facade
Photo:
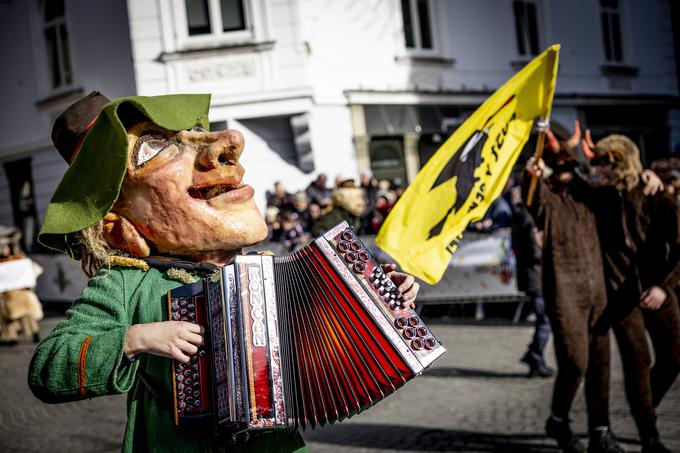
[{"x": 327, "y": 86}]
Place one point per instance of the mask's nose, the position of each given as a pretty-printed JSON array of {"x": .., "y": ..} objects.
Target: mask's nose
[{"x": 223, "y": 148}]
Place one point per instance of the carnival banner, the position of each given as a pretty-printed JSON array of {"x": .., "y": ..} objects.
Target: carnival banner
[{"x": 468, "y": 172}]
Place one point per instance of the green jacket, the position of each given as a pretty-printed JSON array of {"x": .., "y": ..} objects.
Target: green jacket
[{"x": 82, "y": 358}]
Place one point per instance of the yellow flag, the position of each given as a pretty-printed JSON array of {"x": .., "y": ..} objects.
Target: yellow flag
[{"x": 467, "y": 173}]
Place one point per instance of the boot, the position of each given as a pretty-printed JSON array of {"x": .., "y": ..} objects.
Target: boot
[
  {"x": 561, "y": 432},
  {"x": 602, "y": 440},
  {"x": 655, "y": 446}
]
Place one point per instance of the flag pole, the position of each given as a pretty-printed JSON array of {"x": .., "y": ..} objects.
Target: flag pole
[{"x": 542, "y": 125}]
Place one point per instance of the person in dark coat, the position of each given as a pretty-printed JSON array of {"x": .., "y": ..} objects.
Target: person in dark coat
[
  {"x": 640, "y": 238},
  {"x": 575, "y": 299},
  {"x": 527, "y": 245}
]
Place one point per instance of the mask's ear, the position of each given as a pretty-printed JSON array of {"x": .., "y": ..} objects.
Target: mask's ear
[{"x": 123, "y": 235}]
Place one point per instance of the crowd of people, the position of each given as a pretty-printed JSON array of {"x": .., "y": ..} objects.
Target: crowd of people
[{"x": 293, "y": 219}]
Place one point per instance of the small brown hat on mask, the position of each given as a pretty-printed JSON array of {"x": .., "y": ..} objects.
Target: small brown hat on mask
[{"x": 71, "y": 126}]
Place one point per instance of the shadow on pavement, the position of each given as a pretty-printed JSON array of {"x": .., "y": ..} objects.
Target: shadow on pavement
[
  {"x": 409, "y": 438},
  {"x": 471, "y": 373}
]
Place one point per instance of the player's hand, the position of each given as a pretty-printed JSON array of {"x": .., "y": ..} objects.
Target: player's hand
[
  {"x": 653, "y": 183},
  {"x": 653, "y": 298},
  {"x": 406, "y": 283},
  {"x": 173, "y": 339}
]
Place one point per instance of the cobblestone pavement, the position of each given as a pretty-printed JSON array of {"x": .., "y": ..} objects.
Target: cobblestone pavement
[{"x": 476, "y": 398}]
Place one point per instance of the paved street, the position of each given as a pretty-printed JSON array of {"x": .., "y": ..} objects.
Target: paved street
[{"x": 474, "y": 399}]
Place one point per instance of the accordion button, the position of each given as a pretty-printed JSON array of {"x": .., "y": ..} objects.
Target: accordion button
[
  {"x": 422, "y": 331},
  {"x": 194, "y": 358},
  {"x": 201, "y": 354},
  {"x": 401, "y": 322},
  {"x": 188, "y": 409},
  {"x": 194, "y": 367},
  {"x": 359, "y": 268},
  {"x": 182, "y": 405},
  {"x": 355, "y": 245},
  {"x": 351, "y": 256},
  {"x": 393, "y": 306},
  {"x": 409, "y": 333},
  {"x": 363, "y": 256},
  {"x": 191, "y": 306},
  {"x": 175, "y": 306},
  {"x": 430, "y": 343},
  {"x": 187, "y": 373},
  {"x": 382, "y": 290},
  {"x": 197, "y": 394},
  {"x": 176, "y": 316},
  {"x": 197, "y": 403},
  {"x": 418, "y": 344},
  {"x": 343, "y": 246},
  {"x": 192, "y": 316},
  {"x": 414, "y": 321},
  {"x": 183, "y": 311},
  {"x": 348, "y": 235},
  {"x": 187, "y": 381},
  {"x": 189, "y": 399},
  {"x": 182, "y": 303},
  {"x": 180, "y": 378},
  {"x": 180, "y": 387},
  {"x": 195, "y": 376}
]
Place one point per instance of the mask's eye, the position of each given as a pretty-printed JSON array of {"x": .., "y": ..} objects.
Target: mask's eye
[
  {"x": 197, "y": 128},
  {"x": 148, "y": 146}
]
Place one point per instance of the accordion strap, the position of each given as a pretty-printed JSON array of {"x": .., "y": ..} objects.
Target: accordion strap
[
  {"x": 163, "y": 262},
  {"x": 158, "y": 393}
]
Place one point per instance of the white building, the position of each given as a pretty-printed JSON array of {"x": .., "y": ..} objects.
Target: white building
[{"x": 326, "y": 86}]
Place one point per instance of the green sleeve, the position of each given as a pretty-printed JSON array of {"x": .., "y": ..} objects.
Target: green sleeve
[{"x": 81, "y": 358}]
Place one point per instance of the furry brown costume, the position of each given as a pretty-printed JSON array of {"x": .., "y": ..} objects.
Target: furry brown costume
[
  {"x": 640, "y": 237},
  {"x": 575, "y": 298}
]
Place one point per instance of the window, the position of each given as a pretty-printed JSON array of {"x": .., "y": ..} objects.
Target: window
[
  {"x": 206, "y": 17},
  {"x": 526, "y": 27},
  {"x": 55, "y": 34},
  {"x": 418, "y": 31},
  {"x": 611, "y": 30}
]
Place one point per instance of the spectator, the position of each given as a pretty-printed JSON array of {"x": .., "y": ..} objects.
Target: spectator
[
  {"x": 348, "y": 204},
  {"x": 300, "y": 211},
  {"x": 318, "y": 193},
  {"x": 527, "y": 243},
  {"x": 370, "y": 186},
  {"x": 292, "y": 234},
  {"x": 280, "y": 198}
]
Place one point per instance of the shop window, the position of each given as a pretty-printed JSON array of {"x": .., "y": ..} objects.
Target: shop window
[
  {"x": 418, "y": 24},
  {"x": 610, "y": 18},
  {"x": 526, "y": 27},
  {"x": 56, "y": 39}
]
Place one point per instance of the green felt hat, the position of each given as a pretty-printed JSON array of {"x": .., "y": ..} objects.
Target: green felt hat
[{"x": 92, "y": 137}]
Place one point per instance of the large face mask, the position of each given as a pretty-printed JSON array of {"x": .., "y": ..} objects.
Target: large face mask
[
  {"x": 184, "y": 192},
  {"x": 352, "y": 199}
]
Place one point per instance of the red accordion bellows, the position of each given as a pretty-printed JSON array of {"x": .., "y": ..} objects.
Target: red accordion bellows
[{"x": 309, "y": 338}]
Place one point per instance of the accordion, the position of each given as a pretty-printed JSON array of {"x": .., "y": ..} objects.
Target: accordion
[{"x": 305, "y": 339}]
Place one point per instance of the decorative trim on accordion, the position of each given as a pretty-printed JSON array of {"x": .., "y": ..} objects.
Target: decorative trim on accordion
[
  {"x": 368, "y": 303},
  {"x": 274, "y": 346}
]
